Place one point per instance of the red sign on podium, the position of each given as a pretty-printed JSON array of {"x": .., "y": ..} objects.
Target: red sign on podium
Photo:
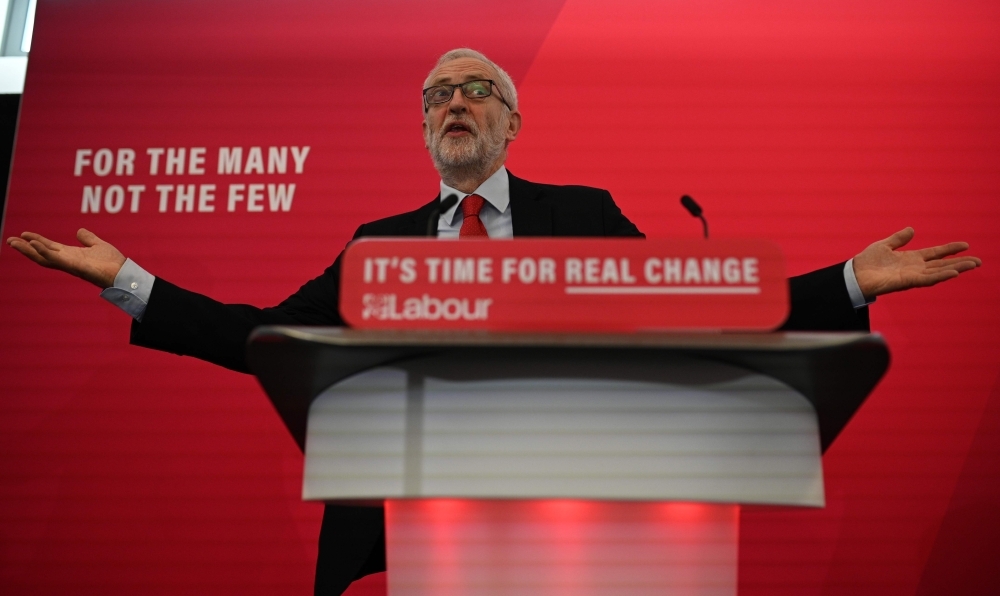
[{"x": 591, "y": 284}]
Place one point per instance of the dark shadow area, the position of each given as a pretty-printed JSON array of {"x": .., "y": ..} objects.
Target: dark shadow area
[
  {"x": 964, "y": 557},
  {"x": 9, "y": 106}
]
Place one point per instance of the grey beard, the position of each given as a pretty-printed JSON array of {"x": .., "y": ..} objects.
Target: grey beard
[{"x": 470, "y": 157}]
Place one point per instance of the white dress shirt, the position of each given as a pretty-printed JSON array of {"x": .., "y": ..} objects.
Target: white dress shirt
[{"x": 495, "y": 213}]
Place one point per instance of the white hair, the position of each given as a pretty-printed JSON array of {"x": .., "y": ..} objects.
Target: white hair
[{"x": 504, "y": 83}]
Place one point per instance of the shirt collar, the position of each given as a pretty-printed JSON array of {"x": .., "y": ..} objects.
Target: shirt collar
[{"x": 495, "y": 189}]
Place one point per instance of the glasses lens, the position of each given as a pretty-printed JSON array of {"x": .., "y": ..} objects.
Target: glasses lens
[
  {"x": 476, "y": 89},
  {"x": 438, "y": 94}
]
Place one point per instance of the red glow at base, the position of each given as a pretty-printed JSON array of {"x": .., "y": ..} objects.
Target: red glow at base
[{"x": 452, "y": 546}]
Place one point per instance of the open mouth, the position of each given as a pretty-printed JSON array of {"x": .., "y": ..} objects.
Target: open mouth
[{"x": 456, "y": 129}]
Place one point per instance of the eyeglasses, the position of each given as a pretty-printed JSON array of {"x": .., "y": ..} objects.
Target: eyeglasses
[{"x": 478, "y": 89}]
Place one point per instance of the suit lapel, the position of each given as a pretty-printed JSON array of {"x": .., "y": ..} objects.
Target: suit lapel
[
  {"x": 416, "y": 223},
  {"x": 530, "y": 215}
]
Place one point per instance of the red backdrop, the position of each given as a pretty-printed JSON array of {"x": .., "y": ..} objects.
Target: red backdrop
[{"x": 821, "y": 127}]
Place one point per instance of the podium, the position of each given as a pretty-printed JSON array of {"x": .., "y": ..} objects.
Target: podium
[{"x": 564, "y": 463}]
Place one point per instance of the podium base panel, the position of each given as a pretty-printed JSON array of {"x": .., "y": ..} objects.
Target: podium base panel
[{"x": 454, "y": 547}]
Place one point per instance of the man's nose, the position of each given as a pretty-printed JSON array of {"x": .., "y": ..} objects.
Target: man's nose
[{"x": 457, "y": 103}]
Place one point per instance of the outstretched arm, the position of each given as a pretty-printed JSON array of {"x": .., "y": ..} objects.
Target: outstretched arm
[
  {"x": 96, "y": 261},
  {"x": 883, "y": 268},
  {"x": 177, "y": 320}
]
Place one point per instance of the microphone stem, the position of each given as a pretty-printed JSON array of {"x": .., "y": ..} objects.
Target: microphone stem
[
  {"x": 432, "y": 222},
  {"x": 704, "y": 225}
]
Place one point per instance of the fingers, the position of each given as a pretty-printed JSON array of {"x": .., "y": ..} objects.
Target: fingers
[
  {"x": 937, "y": 277},
  {"x": 20, "y": 245},
  {"x": 943, "y": 270},
  {"x": 27, "y": 250},
  {"x": 960, "y": 263},
  {"x": 47, "y": 253},
  {"x": 956, "y": 266},
  {"x": 939, "y": 252},
  {"x": 33, "y": 237},
  {"x": 900, "y": 238}
]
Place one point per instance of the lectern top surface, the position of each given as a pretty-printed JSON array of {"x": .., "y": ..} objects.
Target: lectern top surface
[
  {"x": 834, "y": 371},
  {"x": 340, "y": 336}
]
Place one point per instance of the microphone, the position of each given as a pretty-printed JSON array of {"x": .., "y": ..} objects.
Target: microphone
[
  {"x": 695, "y": 210},
  {"x": 441, "y": 207}
]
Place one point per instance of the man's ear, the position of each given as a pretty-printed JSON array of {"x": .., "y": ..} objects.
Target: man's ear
[
  {"x": 513, "y": 125},
  {"x": 423, "y": 124}
]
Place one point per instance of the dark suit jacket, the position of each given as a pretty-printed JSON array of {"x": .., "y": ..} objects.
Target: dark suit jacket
[{"x": 352, "y": 543}]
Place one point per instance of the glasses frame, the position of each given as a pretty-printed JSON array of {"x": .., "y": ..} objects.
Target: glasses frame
[{"x": 493, "y": 88}]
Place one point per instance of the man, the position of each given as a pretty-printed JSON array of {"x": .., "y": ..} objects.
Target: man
[{"x": 470, "y": 119}]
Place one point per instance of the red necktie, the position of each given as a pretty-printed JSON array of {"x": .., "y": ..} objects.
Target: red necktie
[{"x": 472, "y": 226}]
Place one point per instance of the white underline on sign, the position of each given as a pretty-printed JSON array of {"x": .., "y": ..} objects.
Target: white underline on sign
[{"x": 695, "y": 290}]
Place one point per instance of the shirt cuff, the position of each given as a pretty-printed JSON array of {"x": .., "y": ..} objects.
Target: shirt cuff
[
  {"x": 131, "y": 290},
  {"x": 853, "y": 289}
]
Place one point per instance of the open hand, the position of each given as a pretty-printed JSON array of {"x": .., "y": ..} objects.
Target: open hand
[
  {"x": 882, "y": 268},
  {"x": 96, "y": 261}
]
